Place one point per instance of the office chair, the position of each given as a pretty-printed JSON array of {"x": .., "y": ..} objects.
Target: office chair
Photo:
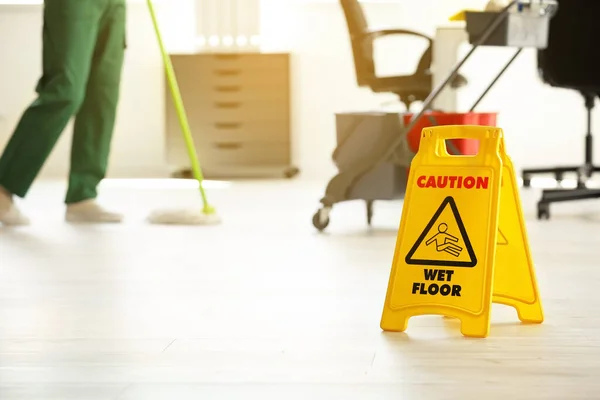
[
  {"x": 571, "y": 61},
  {"x": 409, "y": 88}
]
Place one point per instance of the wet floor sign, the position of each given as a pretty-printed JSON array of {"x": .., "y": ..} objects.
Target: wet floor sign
[{"x": 462, "y": 242}]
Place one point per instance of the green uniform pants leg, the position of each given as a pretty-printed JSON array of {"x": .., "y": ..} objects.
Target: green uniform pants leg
[
  {"x": 95, "y": 120},
  {"x": 71, "y": 39}
]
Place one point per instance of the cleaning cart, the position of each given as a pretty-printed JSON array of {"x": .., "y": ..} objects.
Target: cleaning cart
[{"x": 521, "y": 24}]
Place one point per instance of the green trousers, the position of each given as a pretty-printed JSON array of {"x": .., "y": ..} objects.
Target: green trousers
[{"x": 83, "y": 51}]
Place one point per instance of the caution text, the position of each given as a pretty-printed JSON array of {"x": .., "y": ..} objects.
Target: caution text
[
  {"x": 453, "y": 182},
  {"x": 434, "y": 288}
]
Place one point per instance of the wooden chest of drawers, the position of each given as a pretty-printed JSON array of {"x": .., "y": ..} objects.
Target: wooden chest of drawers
[{"x": 238, "y": 107}]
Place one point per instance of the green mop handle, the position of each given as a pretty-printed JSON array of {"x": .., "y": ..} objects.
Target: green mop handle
[{"x": 187, "y": 135}]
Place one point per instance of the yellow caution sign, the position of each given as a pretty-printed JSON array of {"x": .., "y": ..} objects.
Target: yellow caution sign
[
  {"x": 462, "y": 241},
  {"x": 502, "y": 240},
  {"x": 515, "y": 283}
]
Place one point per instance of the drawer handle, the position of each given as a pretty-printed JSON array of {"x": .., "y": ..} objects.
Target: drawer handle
[
  {"x": 228, "y": 146},
  {"x": 227, "y": 72},
  {"x": 227, "y": 104},
  {"x": 227, "y": 125},
  {"x": 227, "y": 89}
]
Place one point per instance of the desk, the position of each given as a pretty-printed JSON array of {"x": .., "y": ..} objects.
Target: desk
[{"x": 447, "y": 41}]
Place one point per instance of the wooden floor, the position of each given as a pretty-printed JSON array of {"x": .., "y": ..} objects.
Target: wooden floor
[{"x": 263, "y": 307}]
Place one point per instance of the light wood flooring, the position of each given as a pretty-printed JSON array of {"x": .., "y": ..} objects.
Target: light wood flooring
[{"x": 263, "y": 307}]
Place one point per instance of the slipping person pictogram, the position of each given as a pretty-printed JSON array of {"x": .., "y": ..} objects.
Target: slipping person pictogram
[
  {"x": 436, "y": 246},
  {"x": 445, "y": 241}
]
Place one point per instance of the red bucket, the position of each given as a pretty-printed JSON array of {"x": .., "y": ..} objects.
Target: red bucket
[{"x": 464, "y": 146}]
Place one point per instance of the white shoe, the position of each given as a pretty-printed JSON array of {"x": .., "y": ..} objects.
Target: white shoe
[
  {"x": 88, "y": 211},
  {"x": 10, "y": 215}
]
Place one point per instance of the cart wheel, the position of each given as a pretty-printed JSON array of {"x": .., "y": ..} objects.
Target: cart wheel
[
  {"x": 291, "y": 172},
  {"x": 369, "y": 211},
  {"x": 543, "y": 211},
  {"x": 321, "y": 219}
]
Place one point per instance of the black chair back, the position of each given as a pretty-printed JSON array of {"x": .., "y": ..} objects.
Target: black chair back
[
  {"x": 571, "y": 59},
  {"x": 362, "y": 47}
]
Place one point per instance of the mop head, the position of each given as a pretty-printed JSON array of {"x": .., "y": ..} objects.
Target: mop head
[{"x": 184, "y": 217}]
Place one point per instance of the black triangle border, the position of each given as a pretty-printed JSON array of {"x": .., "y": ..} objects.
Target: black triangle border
[{"x": 441, "y": 263}]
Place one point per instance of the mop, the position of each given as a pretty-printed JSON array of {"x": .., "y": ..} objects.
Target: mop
[{"x": 207, "y": 215}]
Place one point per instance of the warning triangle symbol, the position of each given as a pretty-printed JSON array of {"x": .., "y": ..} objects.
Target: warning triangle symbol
[{"x": 444, "y": 241}]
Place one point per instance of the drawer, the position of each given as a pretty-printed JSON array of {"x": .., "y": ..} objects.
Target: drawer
[
  {"x": 259, "y": 131},
  {"x": 201, "y": 73},
  {"x": 240, "y": 77},
  {"x": 239, "y": 111},
  {"x": 220, "y": 93},
  {"x": 231, "y": 158},
  {"x": 249, "y": 61},
  {"x": 243, "y": 153}
]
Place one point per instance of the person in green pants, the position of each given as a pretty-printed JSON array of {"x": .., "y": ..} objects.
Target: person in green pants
[{"x": 83, "y": 53}]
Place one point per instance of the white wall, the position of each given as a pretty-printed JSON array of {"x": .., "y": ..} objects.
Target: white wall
[{"x": 536, "y": 119}]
